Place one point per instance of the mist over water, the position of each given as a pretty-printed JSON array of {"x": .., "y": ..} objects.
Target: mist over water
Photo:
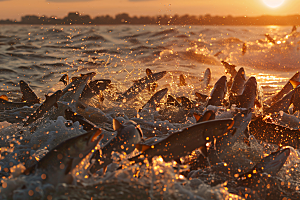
[{"x": 40, "y": 55}]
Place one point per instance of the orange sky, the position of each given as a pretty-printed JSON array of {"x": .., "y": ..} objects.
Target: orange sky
[{"x": 14, "y": 9}]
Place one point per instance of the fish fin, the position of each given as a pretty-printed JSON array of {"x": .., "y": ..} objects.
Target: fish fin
[
  {"x": 203, "y": 150},
  {"x": 116, "y": 125},
  {"x": 197, "y": 117},
  {"x": 142, "y": 147},
  {"x": 148, "y": 71},
  {"x": 208, "y": 115},
  {"x": 182, "y": 80},
  {"x": 69, "y": 166},
  {"x": 294, "y": 83},
  {"x": 4, "y": 97},
  {"x": 201, "y": 97}
]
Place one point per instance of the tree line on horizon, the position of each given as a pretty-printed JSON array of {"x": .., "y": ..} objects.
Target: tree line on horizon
[{"x": 124, "y": 18}]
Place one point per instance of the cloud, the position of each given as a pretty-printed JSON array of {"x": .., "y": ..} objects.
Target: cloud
[{"x": 64, "y": 1}]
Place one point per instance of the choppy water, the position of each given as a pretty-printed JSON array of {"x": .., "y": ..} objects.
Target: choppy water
[{"x": 40, "y": 55}]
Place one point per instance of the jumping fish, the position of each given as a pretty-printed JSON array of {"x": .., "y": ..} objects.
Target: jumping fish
[
  {"x": 270, "y": 39},
  {"x": 172, "y": 101},
  {"x": 281, "y": 105},
  {"x": 218, "y": 93},
  {"x": 206, "y": 78},
  {"x": 155, "y": 99},
  {"x": 95, "y": 87},
  {"x": 140, "y": 85},
  {"x": 286, "y": 89},
  {"x": 128, "y": 135},
  {"x": 44, "y": 107},
  {"x": 182, "y": 80},
  {"x": 248, "y": 97},
  {"x": 229, "y": 68},
  {"x": 56, "y": 165},
  {"x": 182, "y": 143},
  {"x": 266, "y": 130},
  {"x": 28, "y": 95},
  {"x": 239, "y": 80}
]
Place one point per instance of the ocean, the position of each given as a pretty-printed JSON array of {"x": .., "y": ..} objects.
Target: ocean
[{"x": 41, "y": 55}]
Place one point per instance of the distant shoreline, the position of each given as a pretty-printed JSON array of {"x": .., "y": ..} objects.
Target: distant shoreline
[{"x": 75, "y": 18}]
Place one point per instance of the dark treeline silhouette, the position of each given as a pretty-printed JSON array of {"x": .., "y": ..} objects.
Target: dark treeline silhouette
[{"x": 124, "y": 18}]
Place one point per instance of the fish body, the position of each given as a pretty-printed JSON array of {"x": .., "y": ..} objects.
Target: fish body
[
  {"x": 155, "y": 99},
  {"x": 239, "y": 80},
  {"x": 95, "y": 87},
  {"x": 281, "y": 105},
  {"x": 248, "y": 96},
  {"x": 229, "y": 68},
  {"x": 286, "y": 89},
  {"x": 44, "y": 107},
  {"x": 206, "y": 78},
  {"x": 58, "y": 163},
  {"x": 28, "y": 95},
  {"x": 128, "y": 135},
  {"x": 183, "y": 142},
  {"x": 140, "y": 85},
  {"x": 218, "y": 93}
]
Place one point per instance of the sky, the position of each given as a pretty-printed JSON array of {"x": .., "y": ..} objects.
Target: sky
[{"x": 14, "y": 9}]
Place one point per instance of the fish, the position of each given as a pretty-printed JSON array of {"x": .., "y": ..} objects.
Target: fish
[
  {"x": 218, "y": 93},
  {"x": 270, "y": 39},
  {"x": 239, "y": 80},
  {"x": 229, "y": 68},
  {"x": 281, "y": 105},
  {"x": 57, "y": 164},
  {"x": 44, "y": 107},
  {"x": 248, "y": 97},
  {"x": 286, "y": 89},
  {"x": 186, "y": 103},
  {"x": 95, "y": 87},
  {"x": 201, "y": 97},
  {"x": 182, "y": 81},
  {"x": 28, "y": 95},
  {"x": 86, "y": 124},
  {"x": 183, "y": 142},
  {"x": 8, "y": 105},
  {"x": 155, "y": 99},
  {"x": 296, "y": 100},
  {"x": 139, "y": 86},
  {"x": 128, "y": 135},
  {"x": 206, "y": 78},
  {"x": 64, "y": 79},
  {"x": 262, "y": 128},
  {"x": 260, "y": 177},
  {"x": 244, "y": 49}
]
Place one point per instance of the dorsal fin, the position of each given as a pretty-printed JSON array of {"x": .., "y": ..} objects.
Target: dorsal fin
[
  {"x": 294, "y": 83},
  {"x": 64, "y": 79},
  {"x": 182, "y": 80},
  {"x": 148, "y": 71},
  {"x": 201, "y": 97},
  {"x": 4, "y": 97},
  {"x": 116, "y": 125},
  {"x": 142, "y": 147},
  {"x": 197, "y": 117}
]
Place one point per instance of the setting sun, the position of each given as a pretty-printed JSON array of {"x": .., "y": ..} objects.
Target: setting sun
[{"x": 273, "y": 3}]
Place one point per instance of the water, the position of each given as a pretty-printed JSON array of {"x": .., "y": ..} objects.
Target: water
[{"x": 40, "y": 55}]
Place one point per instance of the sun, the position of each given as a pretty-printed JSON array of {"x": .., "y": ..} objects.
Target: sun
[{"x": 273, "y": 3}]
